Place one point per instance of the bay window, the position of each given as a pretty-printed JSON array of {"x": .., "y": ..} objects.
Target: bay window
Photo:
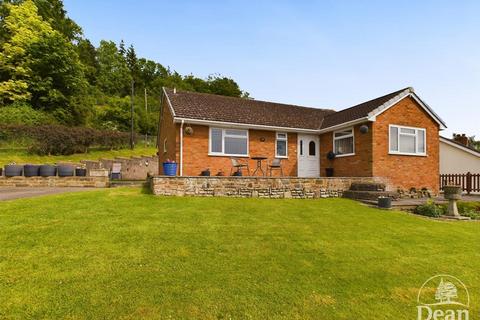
[
  {"x": 407, "y": 140},
  {"x": 228, "y": 142},
  {"x": 343, "y": 142},
  {"x": 281, "y": 145}
]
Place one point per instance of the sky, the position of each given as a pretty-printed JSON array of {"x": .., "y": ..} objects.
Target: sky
[{"x": 325, "y": 54}]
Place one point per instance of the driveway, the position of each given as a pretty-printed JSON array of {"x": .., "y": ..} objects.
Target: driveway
[{"x": 10, "y": 193}]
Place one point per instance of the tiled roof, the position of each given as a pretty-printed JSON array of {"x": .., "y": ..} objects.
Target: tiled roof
[
  {"x": 203, "y": 106},
  {"x": 359, "y": 111}
]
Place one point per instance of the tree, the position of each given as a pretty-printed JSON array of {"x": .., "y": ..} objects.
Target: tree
[
  {"x": 88, "y": 57},
  {"x": 446, "y": 291},
  {"x": 224, "y": 86},
  {"x": 113, "y": 76}
]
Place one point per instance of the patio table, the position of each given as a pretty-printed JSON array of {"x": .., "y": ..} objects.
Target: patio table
[{"x": 259, "y": 160}]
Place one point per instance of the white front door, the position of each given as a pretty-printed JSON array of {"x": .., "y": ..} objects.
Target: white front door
[{"x": 308, "y": 150}]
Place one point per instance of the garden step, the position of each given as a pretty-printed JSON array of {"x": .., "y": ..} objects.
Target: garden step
[
  {"x": 127, "y": 183},
  {"x": 368, "y": 195},
  {"x": 367, "y": 187}
]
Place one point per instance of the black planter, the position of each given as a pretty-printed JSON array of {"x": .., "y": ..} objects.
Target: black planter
[
  {"x": 12, "y": 170},
  {"x": 81, "y": 172},
  {"x": 385, "y": 202},
  {"x": 65, "y": 171},
  {"x": 47, "y": 171},
  {"x": 31, "y": 170},
  {"x": 1, "y": 172},
  {"x": 329, "y": 172}
]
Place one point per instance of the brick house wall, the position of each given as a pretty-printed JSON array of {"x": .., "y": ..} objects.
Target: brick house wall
[
  {"x": 407, "y": 171},
  {"x": 196, "y": 158},
  {"x": 168, "y": 130},
  {"x": 358, "y": 165}
]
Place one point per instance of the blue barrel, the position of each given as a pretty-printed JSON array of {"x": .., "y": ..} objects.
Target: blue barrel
[{"x": 170, "y": 168}]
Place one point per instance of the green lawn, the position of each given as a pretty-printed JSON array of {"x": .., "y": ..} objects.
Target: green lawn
[
  {"x": 22, "y": 156},
  {"x": 122, "y": 254}
]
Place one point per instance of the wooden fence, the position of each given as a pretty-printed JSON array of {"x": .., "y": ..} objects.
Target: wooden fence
[{"x": 470, "y": 182}]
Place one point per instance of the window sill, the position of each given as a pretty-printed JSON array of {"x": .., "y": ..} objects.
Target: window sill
[
  {"x": 228, "y": 155},
  {"x": 407, "y": 154},
  {"x": 345, "y": 155},
  {"x": 281, "y": 157}
]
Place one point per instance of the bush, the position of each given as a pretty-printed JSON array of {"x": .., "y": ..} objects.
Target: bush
[
  {"x": 429, "y": 209},
  {"x": 62, "y": 140},
  {"x": 24, "y": 114}
]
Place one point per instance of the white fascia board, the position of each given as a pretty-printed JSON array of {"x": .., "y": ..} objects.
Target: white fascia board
[
  {"x": 168, "y": 102},
  {"x": 460, "y": 147},
  {"x": 243, "y": 125},
  {"x": 346, "y": 124}
]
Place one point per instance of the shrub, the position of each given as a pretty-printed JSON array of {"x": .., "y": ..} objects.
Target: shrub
[
  {"x": 63, "y": 140},
  {"x": 24, "y": 114},
  {"x": 429, "y": 209}
]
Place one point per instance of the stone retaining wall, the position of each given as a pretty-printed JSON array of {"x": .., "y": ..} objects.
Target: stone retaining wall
[
  {"x": 254, "y": 187},
  {"x": 93, "y": 182}
]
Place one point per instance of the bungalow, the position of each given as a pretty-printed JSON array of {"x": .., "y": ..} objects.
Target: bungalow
[
  {"x": 457, "y": 156},
  {"x": 395, "y": 136}
]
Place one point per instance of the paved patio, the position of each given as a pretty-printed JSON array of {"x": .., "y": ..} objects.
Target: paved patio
[{"x": 11, "y": 193}]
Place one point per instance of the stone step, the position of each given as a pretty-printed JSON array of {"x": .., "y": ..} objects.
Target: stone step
[
  {"x": 367, "y": 187},
  {"x": 368, "y": 195},
  {"x": 127, "y": 183}
]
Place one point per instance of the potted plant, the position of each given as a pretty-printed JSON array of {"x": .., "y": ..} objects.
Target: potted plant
[
  {"x": 452, "y": 193},
  {"x": 170, "y": 168}
]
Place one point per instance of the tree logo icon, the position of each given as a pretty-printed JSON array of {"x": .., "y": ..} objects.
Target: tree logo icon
[{"x": 443, "y": 297}]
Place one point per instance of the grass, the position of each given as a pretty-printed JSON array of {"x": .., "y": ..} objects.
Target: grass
[
  {"x": 122, "y": 254},
  {"x": 21, "y": 155}
]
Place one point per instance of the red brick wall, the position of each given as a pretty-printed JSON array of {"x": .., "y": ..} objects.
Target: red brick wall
[
  {"x": 170, "y": 131},
  {"x": 406, "y": 171},
  {"x": 358, "y": 165},
  {"x": 196, "y": 158}
]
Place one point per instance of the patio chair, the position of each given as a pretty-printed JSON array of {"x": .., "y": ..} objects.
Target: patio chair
[
  {"x": 238, "y": 165},
  {"x": 276, "y": 165},
  {"x": 116, "y": 173}
]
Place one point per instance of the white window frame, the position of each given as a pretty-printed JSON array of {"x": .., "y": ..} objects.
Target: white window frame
[
  {"x": 221, "y": 154},
  {"x": 286, "y": 145},
  {"x": 352, "y": 135},
  {"x": 399, "y": 127},
  {"x": 165, "y": 145}
]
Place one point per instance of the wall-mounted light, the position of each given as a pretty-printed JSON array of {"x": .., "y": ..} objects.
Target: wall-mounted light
[
  {"x": 262, "y": 139},
  {"x": 188, "y": 131},
  {"x": 364, "y": 129}
]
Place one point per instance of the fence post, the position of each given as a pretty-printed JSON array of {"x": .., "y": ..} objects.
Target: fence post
[{"x": 469, "y": 183}]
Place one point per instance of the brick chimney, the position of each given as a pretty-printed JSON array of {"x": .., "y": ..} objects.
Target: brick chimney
[{"x": 461, "y": 138}]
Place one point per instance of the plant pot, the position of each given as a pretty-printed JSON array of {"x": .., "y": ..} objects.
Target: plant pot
[
  {"x": 1, "y": 172},
  {"x": 329, "y": 172},
  {"x": 452, "y": 192},
  {"x": 31, "y": 170},
  {"x": 12, "y": 170},
  {"x": 65, "y": 171},
  {"x": 47, "y": 171},
  {"x": 170, "y": 168},
  {"x": 81, "y": 172},
  {"x": 385, "y": 202}
]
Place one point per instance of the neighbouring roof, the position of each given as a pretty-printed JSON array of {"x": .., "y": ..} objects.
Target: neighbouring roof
[
  {"x": 203, "y": 106},
  {"x": 460, "y": 146},
  {"x": 210, "y": 107}
]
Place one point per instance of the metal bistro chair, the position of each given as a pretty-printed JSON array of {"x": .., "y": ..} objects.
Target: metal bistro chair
[
  {"x": 116, "y": 173},
  {"x": 238, "y": 165},
  {"x": 276, "y": 165}
]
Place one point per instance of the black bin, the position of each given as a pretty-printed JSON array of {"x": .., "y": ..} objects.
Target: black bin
[
  {"x": 329, "y": 172},
  {"x": 13, "y": 170},
  {"x": 31, "y": 170},
  {"x": 47, "y": 170}
]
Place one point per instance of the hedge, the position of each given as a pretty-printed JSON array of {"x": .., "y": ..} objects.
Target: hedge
[{"x": 63, "y": 140}]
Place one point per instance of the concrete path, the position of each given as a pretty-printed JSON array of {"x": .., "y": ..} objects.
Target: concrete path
[{"x": 10, "y": 193}]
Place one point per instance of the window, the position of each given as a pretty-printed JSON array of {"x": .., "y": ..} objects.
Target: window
[
  {"x": 407, "y": 140},
  {"x": 312, "y": 149},
  {"x": 301, "y": 147},
  {"x": 230, "y": 142},
  {"x": 165, "y": 145},
  {"x": 343, "y": 142},
  {"x": 281, "y": 145}
]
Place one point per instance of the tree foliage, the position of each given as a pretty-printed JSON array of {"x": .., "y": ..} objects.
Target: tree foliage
[{"x": 46, "y": 63}]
